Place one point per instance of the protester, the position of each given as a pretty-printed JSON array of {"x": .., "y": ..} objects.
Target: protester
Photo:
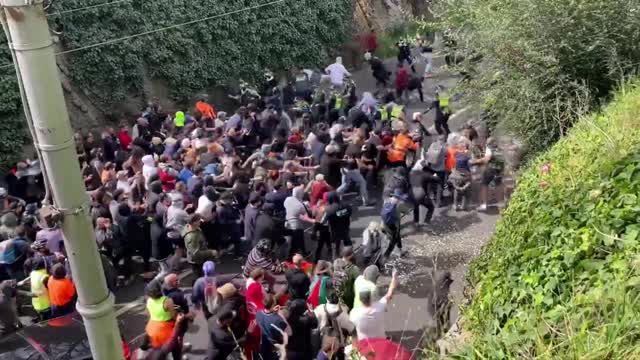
[
  {"x": 345, "y": 272},
  {"x": 298, "y": 281},
  {"x": 274, "y": 328},
  {"x": 191, "y": 185},
  {"x": 320, "y": 284},
  {"x": 333, "y": 321},
  {"x": 369, "y": 319},
  {"x": 365, "y": 282},
  {"x": 337, "y": 73},
  {"x": 222, "y": 341},
  {"x": 196, "y": 244}
]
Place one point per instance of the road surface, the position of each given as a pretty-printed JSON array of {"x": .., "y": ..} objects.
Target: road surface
[{"x": 449, "y": 243}]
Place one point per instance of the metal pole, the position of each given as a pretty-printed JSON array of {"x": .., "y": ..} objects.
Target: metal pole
[{"x": 27, "y": 31}]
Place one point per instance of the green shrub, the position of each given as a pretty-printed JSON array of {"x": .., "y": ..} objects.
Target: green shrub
[
  {"x": 546, "y": 62},
  {"x": 560, "y": 279},
  {"x": 204, "y": 54},
  {"x": 188, "y": 59},
  {"x": 12, "y": 127}
]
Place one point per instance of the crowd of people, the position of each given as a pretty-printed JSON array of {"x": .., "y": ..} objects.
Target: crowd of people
[{"x": 293, "y": 163}]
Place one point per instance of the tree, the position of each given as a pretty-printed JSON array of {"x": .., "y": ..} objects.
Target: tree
[{"x": 545, "y": 62}]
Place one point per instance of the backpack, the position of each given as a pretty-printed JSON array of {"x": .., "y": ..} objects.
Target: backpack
[
  {"x": 497, "y": 161},
  {"x": 388, "y": 213},
  {"x": 435, "y": 154},
  {"x": 332, "y": 327},
  {"x": 211, "y": 295},
  {"x": 462, "y": 161}
]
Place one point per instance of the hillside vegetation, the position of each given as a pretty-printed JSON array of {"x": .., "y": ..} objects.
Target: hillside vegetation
[
  {"x": 232, "y": 44},
  {"x": 544, "y": 62},
  {"x": 560, "y": 279}
]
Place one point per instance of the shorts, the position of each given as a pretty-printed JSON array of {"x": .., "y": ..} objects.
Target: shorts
[
  {"x": 490, "y": 175},
  {"x": 176, "y": 240}
]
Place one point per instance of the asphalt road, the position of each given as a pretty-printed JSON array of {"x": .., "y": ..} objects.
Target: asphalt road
[{"x": 448, "y": 243}]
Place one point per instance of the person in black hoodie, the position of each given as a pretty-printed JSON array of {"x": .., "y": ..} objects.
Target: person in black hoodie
[
  {"x": 298, "y": 283},
  {"x": 268, "y": 226},
  {"x": 301, "y": 320},
  {"x": 330, "y": 165},
  {"x": 421, "y": 180},
  {"x": 338, "y": 216},
  {"x": 222, "y": 341}
]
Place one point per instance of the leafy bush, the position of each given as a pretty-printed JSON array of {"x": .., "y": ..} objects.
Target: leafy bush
[
  {"x": 188, "y": 59},
  {"x": 12, "y": 131},
  {"x": 560, "y": 279},
  {"x": 546, "y": 62},
  {"x": 195, "y": 57}
]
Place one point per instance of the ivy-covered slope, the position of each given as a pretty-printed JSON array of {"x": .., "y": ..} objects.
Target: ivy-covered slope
[
  {"x": 560, "y": 279},
  {"x": 188, "y": 59},
  {"x": 193, "y": 57}
]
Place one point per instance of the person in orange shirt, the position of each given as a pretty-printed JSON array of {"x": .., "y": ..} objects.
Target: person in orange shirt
[
  {"x": 402, "y": 142},
  {"x": 62, "y": 292},
  {"x": 207, "y": 111}
]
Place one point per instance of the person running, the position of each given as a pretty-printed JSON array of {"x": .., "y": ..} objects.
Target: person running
[
  {"x": 402, "y": 142},
  {"x": 391, "y": 219},
  {"x": 337, "y": 72}
]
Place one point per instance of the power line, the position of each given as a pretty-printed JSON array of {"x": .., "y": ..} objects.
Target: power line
[
  {"x": 86, "y": 8},
  {"x": 170, "y": 27},
  {"x": 175, "y": 26}
]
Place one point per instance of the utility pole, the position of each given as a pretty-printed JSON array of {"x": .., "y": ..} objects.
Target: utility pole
[{"x": 27, "y": 31}]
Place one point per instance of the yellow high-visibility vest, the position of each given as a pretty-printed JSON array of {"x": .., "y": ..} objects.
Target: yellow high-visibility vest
[
  {"x": 156, "y": 309},
  {"x": 179, "y": 119},
  {"x": 396, "y": 112},
  {"x": 444, "y": 102},
  {"x": 338, "y": 104},
  {"x": 41, "y": 301}
]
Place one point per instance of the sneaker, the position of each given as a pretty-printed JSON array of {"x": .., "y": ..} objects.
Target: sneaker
[
  {"x": 368, "y": 203},
  {"x": 186, "y": 347},
  {"x": 404, "y": 253},
  {"x": 482, "y": 207}
]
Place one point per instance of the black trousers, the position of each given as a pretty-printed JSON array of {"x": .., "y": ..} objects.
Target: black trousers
[
  {"x": 394, "y": 234},
  {"x": 421, "y": 197},
  {"x": 297, "y": 242},
  {"x": 324, "y": 239}
]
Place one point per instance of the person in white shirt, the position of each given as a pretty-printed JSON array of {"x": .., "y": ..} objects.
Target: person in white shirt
[
  {"x": 335, "y": 316},
  {"x": 333, "y": 310},
  {"x": 337, "y": 72},
  {"x": 206, "y": 203},
  {"x": 370, "y": 318}
]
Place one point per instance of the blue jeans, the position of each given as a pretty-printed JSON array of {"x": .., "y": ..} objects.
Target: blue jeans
[{"x": 355, "y": 177}]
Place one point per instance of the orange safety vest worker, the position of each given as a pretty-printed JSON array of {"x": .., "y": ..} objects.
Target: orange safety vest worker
[{"x": 401, "y": 143}]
